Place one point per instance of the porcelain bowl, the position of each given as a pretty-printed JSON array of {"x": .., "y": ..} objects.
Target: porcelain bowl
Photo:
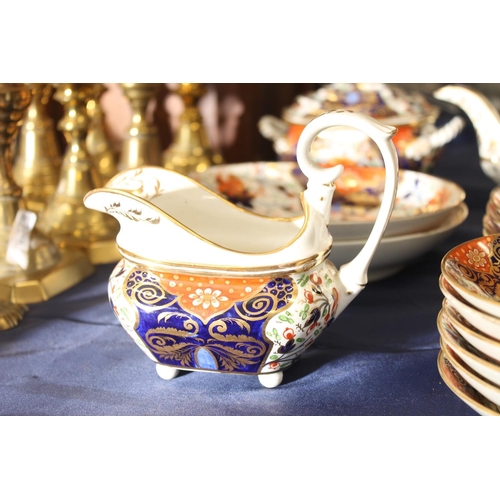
[
  {"x": 411, "y": 112},
  {"x": 473, "y": 270},
  {"x": 487, "y": 367},
  {"x": 459, "y": 386},
  {"x": 490, "y": 325},
  {"x": 423, "y": 201},
  {"x": 481, "y": 341}
]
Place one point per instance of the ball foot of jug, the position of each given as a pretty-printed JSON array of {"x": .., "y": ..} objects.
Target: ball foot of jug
[
  {"x": 271, "y": 380},
  {"x": 166, "y": 372}
]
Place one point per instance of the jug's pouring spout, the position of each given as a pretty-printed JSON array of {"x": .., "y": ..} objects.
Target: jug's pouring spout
[{"x": 320, "y": 188}]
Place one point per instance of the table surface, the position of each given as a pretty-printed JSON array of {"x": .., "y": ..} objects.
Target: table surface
[{"x": 70, "y": 356}]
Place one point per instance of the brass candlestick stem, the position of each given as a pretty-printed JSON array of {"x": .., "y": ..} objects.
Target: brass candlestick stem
[
  {"x": 190, "y": 150},
  {"x": 141, "y": 145},
  {"x": 37, "y": 160},
  {"x": 98, "y": 143},
  {"x": 66, "y": 219}
]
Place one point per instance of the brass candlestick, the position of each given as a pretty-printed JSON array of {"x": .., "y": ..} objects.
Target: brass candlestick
[
  {"x": 190, "y": 150},
  {"x": 14, "y": 99},
  {"x": 37, "y": 160},
  {"x": 66, "y": 219},
  {"x": 141, "y": 145},
  {"x": 32, "y": 268},
  {"x": 98, "y": 143}
]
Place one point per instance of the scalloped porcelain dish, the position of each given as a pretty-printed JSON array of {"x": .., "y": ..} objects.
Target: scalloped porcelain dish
[
  {"x": 479, "y": 340},
  {"x": 463, "y": 390},
  {"x": 489, "y": 390},
  {"x": 422, "y": 202},
  {"x": 396, "y": 252},
  {"x": 490, "y": 325},
  {"x": 473, "y": 270},
  {"x": 478, "y": 361}
]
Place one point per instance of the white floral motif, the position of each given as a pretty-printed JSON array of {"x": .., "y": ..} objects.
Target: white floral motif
[
  {"x": 207, "y": 298},
  {"x": 476, "y": 258}
]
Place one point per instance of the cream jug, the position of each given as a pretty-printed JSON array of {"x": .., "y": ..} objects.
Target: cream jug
[{"x": 206, "y": 285}]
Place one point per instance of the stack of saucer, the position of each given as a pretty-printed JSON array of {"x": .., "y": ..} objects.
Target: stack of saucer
[
  {"x": 491, "y": 219},
  {"x": 469, "y": 323}
]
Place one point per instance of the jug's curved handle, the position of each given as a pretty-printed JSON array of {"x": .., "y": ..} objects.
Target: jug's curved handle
[{"x": 320, "y": 185}]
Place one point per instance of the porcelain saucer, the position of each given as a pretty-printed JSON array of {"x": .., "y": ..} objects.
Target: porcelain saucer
[
  {"x": 473, "y": 270},
  {"x": 479, "y": 340},
  {"x": 489, "y": 390},
  {"x": 485, "y": 323},
  {"x": 463, "y": 390},
  {"x": 478, "y": 361}
]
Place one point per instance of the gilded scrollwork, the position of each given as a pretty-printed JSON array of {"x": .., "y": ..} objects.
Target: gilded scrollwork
[{"x": 133, "y": 214}]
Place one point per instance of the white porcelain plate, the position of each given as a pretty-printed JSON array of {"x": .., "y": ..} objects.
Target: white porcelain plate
[{"x": 396, "y": 252}]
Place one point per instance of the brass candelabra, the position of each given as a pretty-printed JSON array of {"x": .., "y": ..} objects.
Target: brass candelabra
[
  {"x": 141, "y": 145},
  {"x": 66, "y": 219},
  {"x": 190, "y": 150}
]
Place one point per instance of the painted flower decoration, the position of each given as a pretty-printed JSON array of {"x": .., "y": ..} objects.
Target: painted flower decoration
[
  {"x": 207, "y": 298},
  {"x": 476, "y": 258}
]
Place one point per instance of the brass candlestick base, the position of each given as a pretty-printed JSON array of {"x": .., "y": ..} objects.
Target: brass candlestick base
[
  {"x": 98, "y": 143},
  {"x": 190, "y": 150},
  {"x": 66, "y": 219},
  {"x": 37, "y": 158},
  {"x": 141, "y": 145},
  {"x": 39, "y": 286},
  {"x": 11, "y": 314}
]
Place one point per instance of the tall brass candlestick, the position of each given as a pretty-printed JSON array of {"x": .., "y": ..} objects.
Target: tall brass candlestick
[
  {"x": 14, "y": 99},
  {"x": 98, "y": 143},
  {"x": 66, "y": 219},
  {"x": 37, "y": 160},
  {"x": 190, "y": 150},
  {"x": 37, "y": 251},
  {"x": 141, "y": 145}
]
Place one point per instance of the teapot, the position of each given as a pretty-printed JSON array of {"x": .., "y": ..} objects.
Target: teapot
[
  {"x": 485, "y": 119},
  {"x": 418, "y": 140},
  {"x": 206, "y": 285}
]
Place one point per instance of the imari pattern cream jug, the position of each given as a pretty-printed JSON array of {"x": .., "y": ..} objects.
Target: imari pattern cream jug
[{"x": 206, "y": 285}]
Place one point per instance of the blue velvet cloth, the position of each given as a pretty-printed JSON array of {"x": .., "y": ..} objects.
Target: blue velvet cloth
[{"x": 70, "y": 356}]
